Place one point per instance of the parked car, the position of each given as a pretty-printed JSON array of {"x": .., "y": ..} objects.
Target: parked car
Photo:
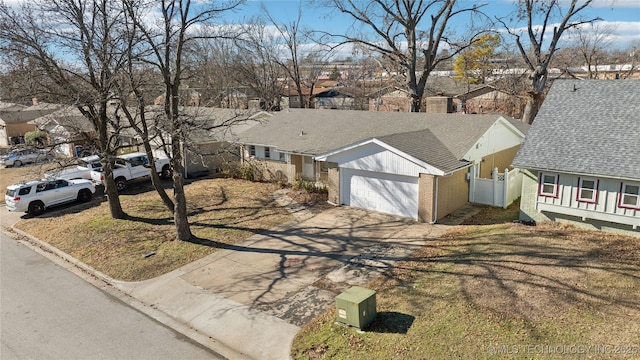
[
  {"x": 133, "y": 166},
  {"x": 80, "y": 171},
  {"x": 19, "y": 157},
  {"x": 36, "y": 196}
]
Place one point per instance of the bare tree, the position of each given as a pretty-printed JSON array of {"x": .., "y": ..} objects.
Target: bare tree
[
  {"x": 79, "y": 45},
  {"x": 300, "y": 66},
  {"x": 536, "y": 58},
  {"x": 168, "y": 46},
  {"x": 592, "y": 40},
  {"x": 258, "y": 66},
  {"x": 397, "y": 35},
  {"x": 629, "y": 56}
]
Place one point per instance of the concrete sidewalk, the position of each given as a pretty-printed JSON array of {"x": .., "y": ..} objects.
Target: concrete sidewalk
[{"x": 253, "y": 297}]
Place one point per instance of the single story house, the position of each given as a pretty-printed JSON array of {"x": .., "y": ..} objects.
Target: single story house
[
  {"x": 491, "y": 98},
  {"x": 15, "y": 120},
  {"x": 414, "y": 165},
  {"x": 211, "y": 134},
  {"x": 334, "y": 99},
  {"x": 582, "y": 156}
]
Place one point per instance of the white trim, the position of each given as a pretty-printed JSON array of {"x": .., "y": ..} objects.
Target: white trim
[
  {"x": 542, "y": 183},
  {"x": 594, "y": 190},
  {"x": 432, "y": 170},
  {"x": 622, "y": 194}
]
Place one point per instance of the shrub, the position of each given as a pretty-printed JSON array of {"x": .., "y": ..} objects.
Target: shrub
[{"x": 309, "y": 186}]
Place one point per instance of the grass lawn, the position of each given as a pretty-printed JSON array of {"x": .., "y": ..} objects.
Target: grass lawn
[
  {"x": 498, "y": 291},
  {"x": 221, "y": 211}
]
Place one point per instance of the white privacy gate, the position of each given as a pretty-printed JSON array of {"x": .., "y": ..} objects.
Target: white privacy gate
[{"x": 501, "y": 190}]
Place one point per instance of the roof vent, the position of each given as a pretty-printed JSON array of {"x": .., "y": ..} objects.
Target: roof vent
[
  {"x": 301, "y": 132},
  {"x": 574, "y": 87}
]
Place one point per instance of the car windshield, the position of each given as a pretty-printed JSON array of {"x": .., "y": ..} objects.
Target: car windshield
[{"x": 11, "y": 192}]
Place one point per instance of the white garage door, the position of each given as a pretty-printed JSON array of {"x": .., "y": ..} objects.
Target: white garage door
[{"x": 391, "y": 194}]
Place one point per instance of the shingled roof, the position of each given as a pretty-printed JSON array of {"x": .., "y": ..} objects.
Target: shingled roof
[
  {"x": 586, "y": 127},
  {"x": 313, "y": 132}
]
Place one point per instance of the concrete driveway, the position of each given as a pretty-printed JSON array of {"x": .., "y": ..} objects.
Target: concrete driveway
[
  {"x": 278, "y": 272},
  {"x": 254, "y": 296}
]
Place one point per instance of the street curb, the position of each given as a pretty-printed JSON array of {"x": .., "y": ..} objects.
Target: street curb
[{"x": 110, "y": 285}]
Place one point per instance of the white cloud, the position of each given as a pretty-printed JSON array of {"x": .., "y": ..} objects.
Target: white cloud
[
  {"x": 615, "y": 3},
  {"x": 623, "y": 32}
]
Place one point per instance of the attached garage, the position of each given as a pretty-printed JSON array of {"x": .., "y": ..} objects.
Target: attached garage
[{"x": 387, "y": 193}]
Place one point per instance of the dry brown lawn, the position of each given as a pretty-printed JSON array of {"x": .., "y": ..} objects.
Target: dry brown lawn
[
  {"x": 499, "y": 291},
  {"x": 220, "y": 211}
]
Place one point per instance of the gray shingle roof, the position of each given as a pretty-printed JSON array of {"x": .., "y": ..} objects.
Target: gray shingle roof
[
  {"x": 424, "y": 145},
  {"x": 594, "y": 129},
  {"x": 313, "y": 132}
]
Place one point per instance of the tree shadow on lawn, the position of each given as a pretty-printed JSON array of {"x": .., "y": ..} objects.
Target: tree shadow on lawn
[{"x": 534, "y": 276}]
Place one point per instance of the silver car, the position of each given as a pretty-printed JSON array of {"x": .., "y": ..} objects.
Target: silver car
[{"x": 19, "y": 157}]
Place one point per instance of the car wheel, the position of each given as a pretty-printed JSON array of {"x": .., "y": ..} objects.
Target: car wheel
[
  {"x": 121, "y": 183},
  {"x": 36, "y": 208},
  {"x": 84, "y": 195},
  {"x": 166, "y": 172},
  {"x": 17, "y": 163}
]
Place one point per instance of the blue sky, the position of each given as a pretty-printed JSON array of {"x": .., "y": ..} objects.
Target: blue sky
[{"x": 622, "y": 15}]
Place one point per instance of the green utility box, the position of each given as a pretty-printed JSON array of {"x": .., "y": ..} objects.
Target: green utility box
[{"x": 356, "y": 307}]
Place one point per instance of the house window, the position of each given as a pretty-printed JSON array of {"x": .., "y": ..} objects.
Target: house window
[
  {"x": 267, "y": 152},
  {"x": 629, "y": 196},
  {"x": 548, "y": 185},
  {"x": 282, "y": 156},
  {"x": 252, "y": 150},
  {"x": 587, "y": 190}
]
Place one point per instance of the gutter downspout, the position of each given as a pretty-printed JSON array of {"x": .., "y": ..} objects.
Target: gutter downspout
[{"x": 435, "y": 203}]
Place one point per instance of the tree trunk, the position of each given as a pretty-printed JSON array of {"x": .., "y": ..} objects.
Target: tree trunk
[
  {"x": 155, "y": 179},
  {"x": 416, "y": 104},
  {"x": 532, "y": 107},
  {"x": 183, "y": 230},
  {"x": 110, "y": 189}
]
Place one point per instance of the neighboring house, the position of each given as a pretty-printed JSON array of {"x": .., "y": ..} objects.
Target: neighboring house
[
  {"x": 394, "y": 100},
  {"x": 290, "y": 98},
  {"x": 15, "y": 120},
  {"x": 414, "y": 165},
  {"x": 72, "y": 134},
  {"x": 334, "y": 99},
  {"x": 582, "y": 156},
  {"x": 211, "y": 137},
  {"x": 341, "y": 98},
  {"x": 488, "y": 98}
]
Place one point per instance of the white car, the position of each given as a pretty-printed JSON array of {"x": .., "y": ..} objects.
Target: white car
[
  {"x": 36, "y": 196},
  {"x": 81, "y": 171}
]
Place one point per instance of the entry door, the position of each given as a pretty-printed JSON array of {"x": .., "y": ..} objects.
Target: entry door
[{"x": 307, "y": 168}]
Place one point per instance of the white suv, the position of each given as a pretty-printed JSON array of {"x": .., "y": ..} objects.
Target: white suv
[{"x": 36, "y": 196}]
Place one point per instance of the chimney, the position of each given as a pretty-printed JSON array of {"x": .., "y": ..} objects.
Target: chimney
[{"x": 34, "y": 101}]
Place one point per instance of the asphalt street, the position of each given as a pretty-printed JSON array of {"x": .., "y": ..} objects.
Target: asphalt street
[{"x": 48, "y": 312}]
